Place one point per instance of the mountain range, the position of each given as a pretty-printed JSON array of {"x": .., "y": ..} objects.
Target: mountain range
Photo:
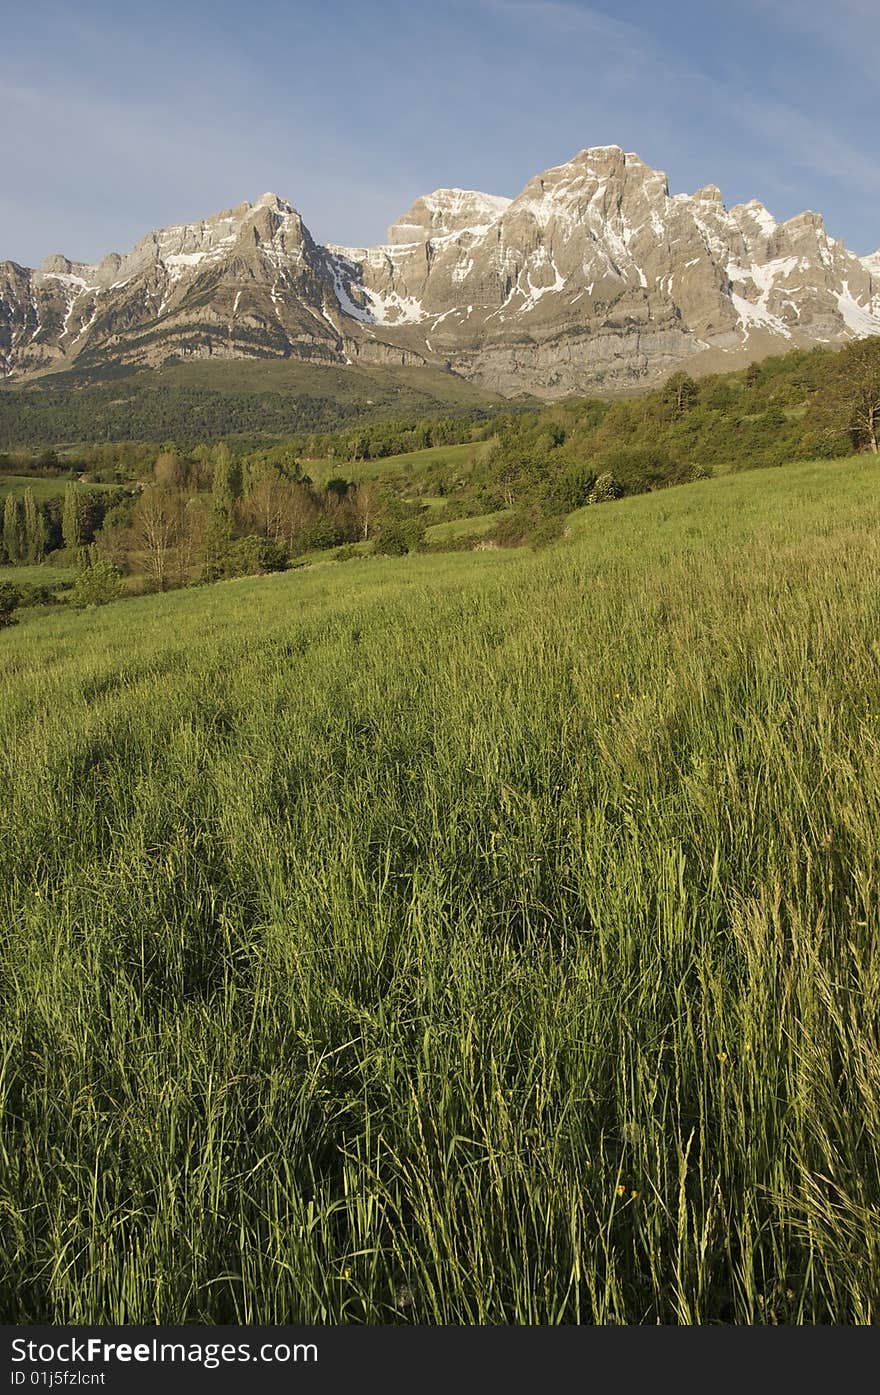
[{"x": 594, "y": 277}]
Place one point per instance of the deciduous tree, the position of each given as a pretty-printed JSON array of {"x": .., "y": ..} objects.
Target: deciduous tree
[
  {"x": 849, "y": 401},
  {"x": 13, "y": 529},
  {"x": 157, "y": 527}
]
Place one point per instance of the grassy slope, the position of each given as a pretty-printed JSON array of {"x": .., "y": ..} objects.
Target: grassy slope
[
  {"x": 464, "y": 527},
  {"x": 358, "y": 384},
  {"x": 474, "y": 938}
]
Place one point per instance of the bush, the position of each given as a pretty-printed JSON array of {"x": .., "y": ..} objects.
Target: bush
[
  {"x": 605, "y": 489},
  {"x": 10, "y": 598},
  {"x": 96, "y": 585},
  {"x": 527, "y": 526},
  {"x": 572, "y": 489},
  {"x": 251, "y": 556},
  {"x": 636, "y": 468},
  {"x": 548, "y": 531},
  {"x": 41, "y": 595},
  {"x": 400, "y": 536},
  {"x": 319, "y": 535}
]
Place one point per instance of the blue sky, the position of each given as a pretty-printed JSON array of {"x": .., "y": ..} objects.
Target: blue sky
[{"x": 119, "y": 118}]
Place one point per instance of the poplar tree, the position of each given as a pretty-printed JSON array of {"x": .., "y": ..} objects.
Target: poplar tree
[
  {"x": 71, "y": 518},
  {"x": 221, "y": 526},
  {"x": 34, "y": 529},
  {"x": 12, "y": 528},
  {"x": 227, "y": 481}
]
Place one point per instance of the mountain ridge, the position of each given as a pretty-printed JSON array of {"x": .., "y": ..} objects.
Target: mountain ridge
[{"x": 593, "y": 276}]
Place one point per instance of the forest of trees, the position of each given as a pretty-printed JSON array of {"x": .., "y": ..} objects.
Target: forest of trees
[
  {"x": 139, "y": 408},
  {"x": 203, "y": 516}
]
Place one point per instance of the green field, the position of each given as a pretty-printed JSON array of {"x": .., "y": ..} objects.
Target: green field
[
  {"x": 459, "y": 459},
  {"x": 37, "y": 575},
  {"x": 464, "y": 527},
  {"x": 480, "y": 938},
  {"x": 43, "y": 488}
]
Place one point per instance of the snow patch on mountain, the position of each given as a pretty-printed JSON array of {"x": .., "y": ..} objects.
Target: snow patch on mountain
[
  {"x": 756, "y": 313},
  {"x": 68, "y": 279},
  {"x": 535, "y": 293},
  {"x": 394, "y": 309},
  {"x": 458, "y": 203},
  {"x": 860, "y": 319}
]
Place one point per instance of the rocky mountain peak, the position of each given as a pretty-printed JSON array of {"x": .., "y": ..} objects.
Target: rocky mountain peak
[
  {"x": 273, "y": 201},
  {"x": 593, "y": 276},
  {"x": 444, "y": 212},
  {"x": 55, "y": 263}
]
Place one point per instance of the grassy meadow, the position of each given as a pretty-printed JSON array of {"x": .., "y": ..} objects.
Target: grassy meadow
[
  {"x": 487, "y": 937},
  {"x": 464, "y": 527},
  {"x": 408, "y": 463},
  {"x": 38, "y": 574},
  {"x": 42, "y": 488}
]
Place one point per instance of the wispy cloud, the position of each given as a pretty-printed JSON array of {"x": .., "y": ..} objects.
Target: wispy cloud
[
  {"x": 353, "y": 108},
  {"x": 570, "y": 18},
  {"x": 848, "y": 28},
  {"x": 809, "y": 141}
]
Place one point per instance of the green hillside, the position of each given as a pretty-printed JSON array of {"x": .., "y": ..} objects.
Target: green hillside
[
  {"x": 203, "y": 400},
  {"x": 477, "y": 938}
]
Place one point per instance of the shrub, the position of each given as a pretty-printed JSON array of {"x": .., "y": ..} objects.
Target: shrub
[
  {"x": 319, "y": 535},
  {"x": 9, "y": 599},
  {"x": 399, "y": 536},
  {"x": 605, "y": 489},
  {"x": 638, "y": 468},
  {"x": 548, "y": 531},
  {"x": 527, "y": 526},
  {"x": 251, "y": 556},
  {"x": 572, "y": 490},
  {"x": 40, "y": 595},
  {"x": 96, "y": 585}
]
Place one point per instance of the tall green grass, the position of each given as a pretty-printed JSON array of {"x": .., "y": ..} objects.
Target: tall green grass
[{"x": 488, "y": 938}]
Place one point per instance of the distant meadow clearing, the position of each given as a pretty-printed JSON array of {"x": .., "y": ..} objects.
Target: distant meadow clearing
[{"x": 487, "y": 937}]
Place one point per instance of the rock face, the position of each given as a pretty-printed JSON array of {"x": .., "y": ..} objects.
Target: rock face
[{"x": 593, "y": 277}]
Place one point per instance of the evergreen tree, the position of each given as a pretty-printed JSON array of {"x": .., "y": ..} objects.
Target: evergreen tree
[{"x": 71, "y": 519}]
